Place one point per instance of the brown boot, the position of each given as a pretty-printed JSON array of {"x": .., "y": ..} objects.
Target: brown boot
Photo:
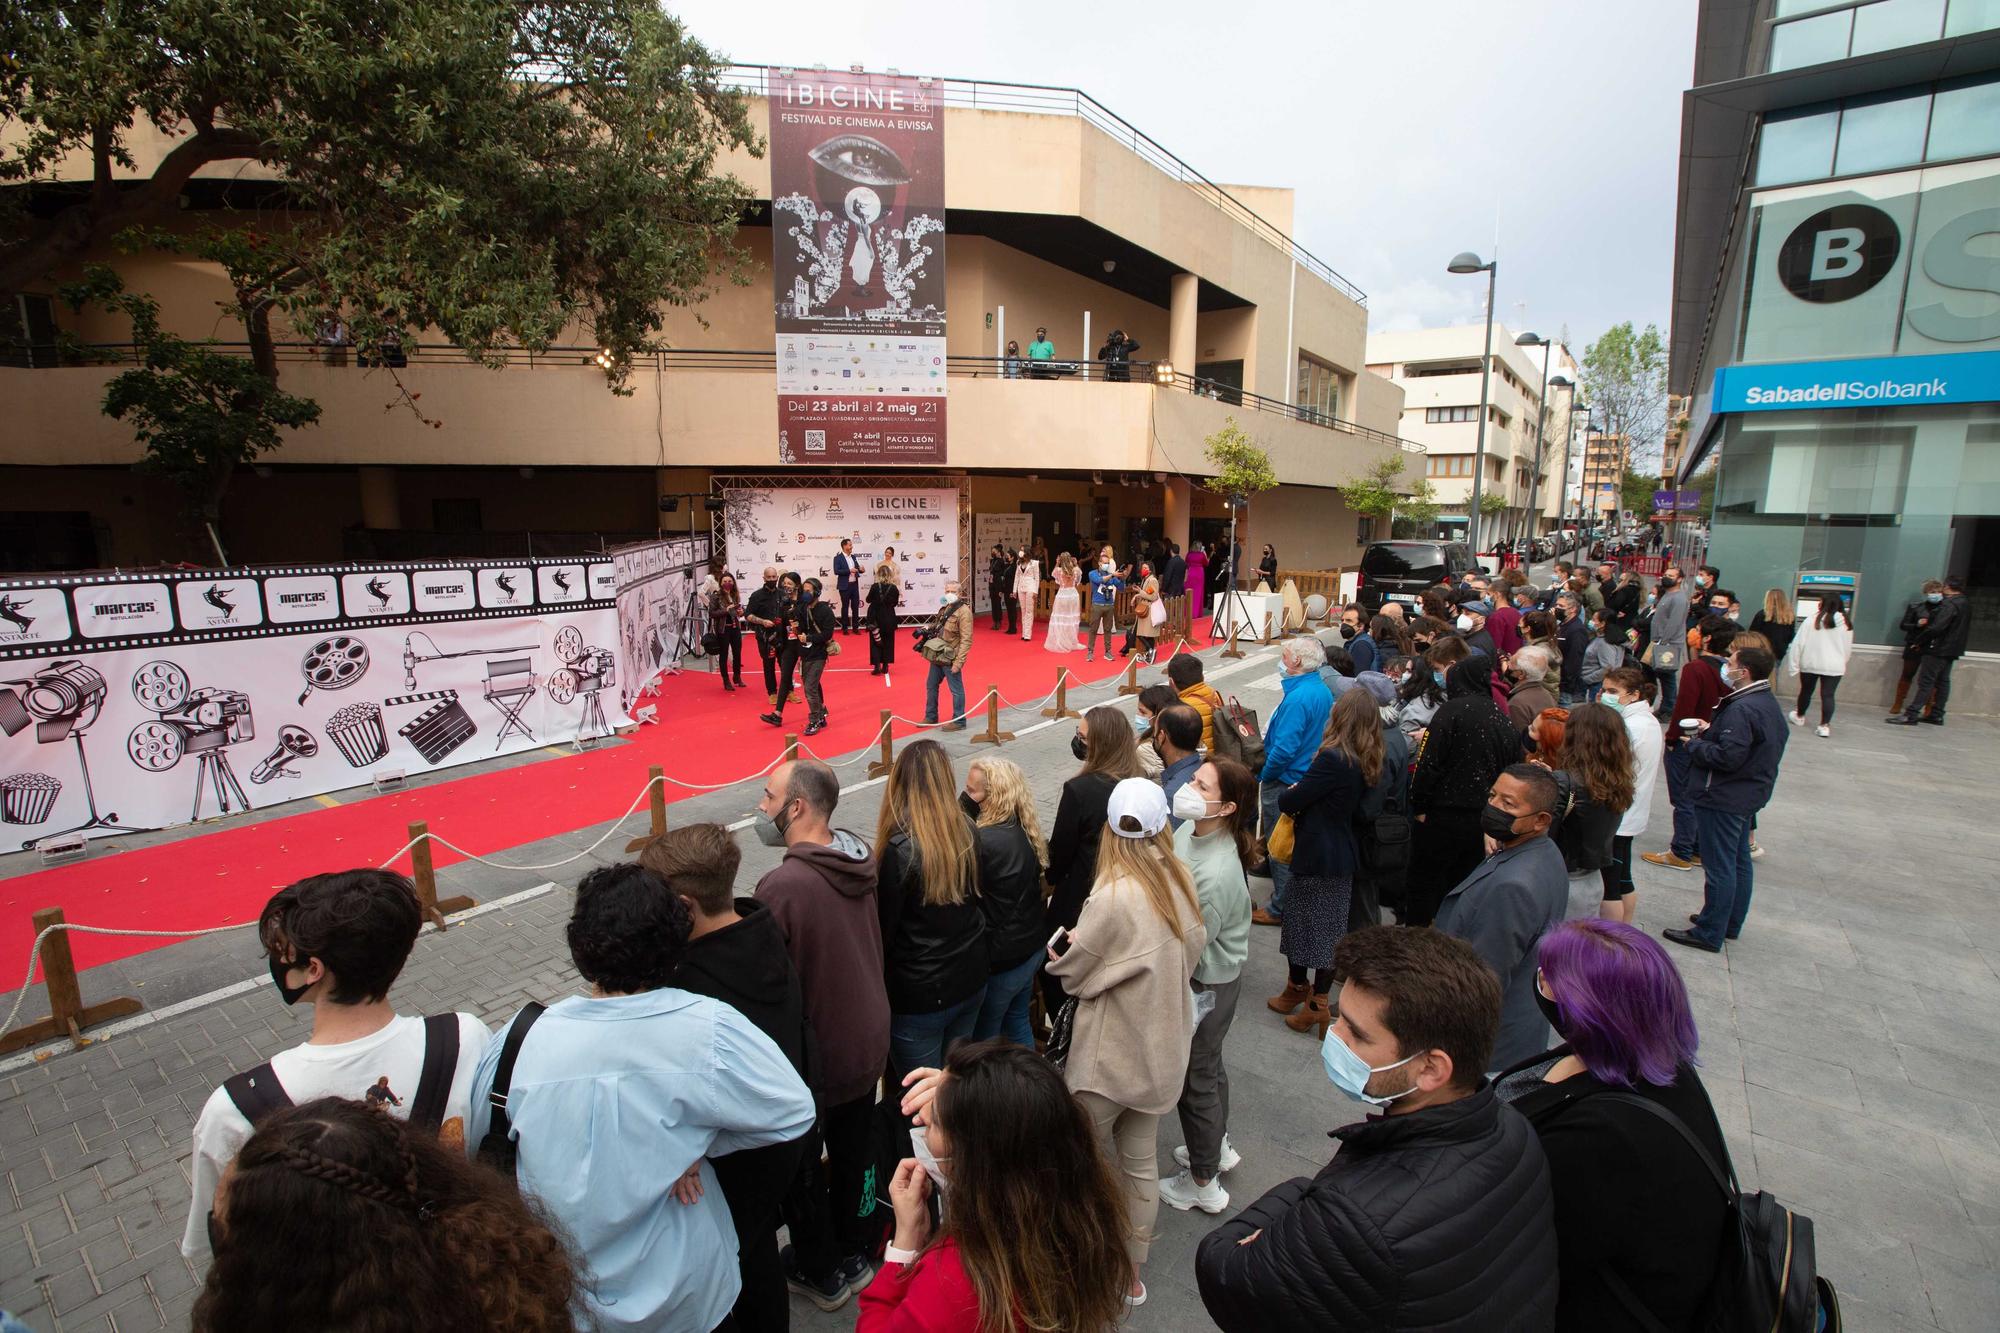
[
  {"x": 1318, "y": 1013},
  {"x": 1296, "y": 994},
  {"x": 1902, "y": 693}
]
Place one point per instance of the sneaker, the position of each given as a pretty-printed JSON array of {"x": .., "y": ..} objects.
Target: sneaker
[
  {"x": 1090, "y": 654},
  {"x": 857, "y": 1272},
  {"x": 1794, "y": 718},
  {"x": 1669, "y": 860},
  {"x": 815, "y": 726},
  {"x": 774, "y": 719},
  {"x": 1756, "y": 851},
  {"x": 1230, "y": 1159},
  {"x": 1181, "y": 1192},
  {"x": 1900, "y": 720},
  {"x": 1822, "y": 730},
  {"x": 828, "y": 1293}
]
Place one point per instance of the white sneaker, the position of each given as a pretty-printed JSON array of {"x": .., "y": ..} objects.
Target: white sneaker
[
  {"x": 1181, "y": 1192},
  {"x": 1756, "y": 852},
  {"x": 1794, "y": 718},
  {"x": 1823, "y": 730},
  {"x": 1230, "y": 1158}
]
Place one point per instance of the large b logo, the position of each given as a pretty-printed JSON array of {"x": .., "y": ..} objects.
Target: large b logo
[{"x": 1839, "y": 253}]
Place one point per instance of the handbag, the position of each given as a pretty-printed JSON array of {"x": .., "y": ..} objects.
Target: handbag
[
  {"x": 1157, "y": 614},
  {"x": 1662, "y": 656},
  {"x": 1284, "y": 838},
  {"x": 1237, "y": 735},
  {"x": 711, "y": 643},
  {"x": 1385, "y": 844}
]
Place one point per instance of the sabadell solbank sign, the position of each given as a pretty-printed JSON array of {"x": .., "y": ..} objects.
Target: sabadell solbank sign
[{"x": 1882, "y": 381}]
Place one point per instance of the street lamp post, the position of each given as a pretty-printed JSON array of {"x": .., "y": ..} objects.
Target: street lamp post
[
  {"x": 1468, "y": 262},
  {"x": 1541, "y": 418}
]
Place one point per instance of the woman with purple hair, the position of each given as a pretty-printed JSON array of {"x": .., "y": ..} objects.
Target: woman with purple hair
[{"x": 1639, "y": 1219}]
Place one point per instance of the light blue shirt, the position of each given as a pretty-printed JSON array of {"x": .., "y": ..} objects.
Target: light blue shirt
[{"x": 612, "y": 1100}]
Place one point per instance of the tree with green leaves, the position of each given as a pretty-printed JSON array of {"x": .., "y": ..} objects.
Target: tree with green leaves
[
  {"x": 1374, "y": 493},
  {"x": 1242, "y": 469},
  {"x": 495, "y": 171},
  {"x": 1625, "y": 382}
]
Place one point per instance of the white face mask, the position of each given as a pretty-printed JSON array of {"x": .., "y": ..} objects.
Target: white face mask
[
  {"x": 921, "y": 1149},
  {"x": 1189, "y": 803},
  {"x": 1464, "y": 624},
  {"x": 949, "y": 598}
]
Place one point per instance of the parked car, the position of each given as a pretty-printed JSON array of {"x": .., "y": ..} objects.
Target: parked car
[{"x": 1400, "y": 571}]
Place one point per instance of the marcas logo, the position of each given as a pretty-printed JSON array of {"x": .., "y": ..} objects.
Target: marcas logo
[{"x": 1838, "y": 253}]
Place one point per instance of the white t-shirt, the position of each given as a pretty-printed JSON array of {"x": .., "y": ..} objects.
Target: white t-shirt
[{"x": 348, "y": 1069}]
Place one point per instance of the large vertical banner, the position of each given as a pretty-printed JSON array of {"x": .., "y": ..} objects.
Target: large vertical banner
[
  {"x": 1012, "y": 531},
  {"x": 857, "y": 201}
]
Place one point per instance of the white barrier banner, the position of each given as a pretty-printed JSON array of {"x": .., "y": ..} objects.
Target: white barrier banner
[
  {"x": 181, "y": 696},
  {"x": 659, "y": 617}
]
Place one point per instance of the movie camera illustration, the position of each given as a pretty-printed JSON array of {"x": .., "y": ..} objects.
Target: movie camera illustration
[
  {"x": 203, "y": 723},
  {"x": 63, "y": 700},
  {"x": 587, "y": 670}
]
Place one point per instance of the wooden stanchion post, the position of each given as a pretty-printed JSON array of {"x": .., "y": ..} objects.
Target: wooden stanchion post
[
  {"x": 424, "y": 875},
  {"x": 993, "y": 735},
  {"x": 791, "y": 746},
  {"x": 1235, "y": 648},
  {"x": 1061, "y": 708},
  {"x": 1266, "y": 640},
  {"x": 68, "y": 1014},
  {"x": 656, "y": 797},
  {"x": 1131, "y": 685},
  {"x": 880, "y": 768}
]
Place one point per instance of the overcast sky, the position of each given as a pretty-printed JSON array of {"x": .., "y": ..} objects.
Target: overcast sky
[{"x": 1411, "y": 129}]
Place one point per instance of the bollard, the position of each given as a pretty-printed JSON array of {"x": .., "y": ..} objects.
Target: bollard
[
  {"x": 880, "y": 768},
  {"x": 1062, "y": 708},
  {"x": 993, "y": 735},
  {"x": 1266, "y": 640},
  {"x": 1131, "y": 685},
  {"x": 424, "y": 875},
  {"x": 68, "y": 1014},
  {"x": 791, "y": 746},
  {"x": 656, "y": 795}
]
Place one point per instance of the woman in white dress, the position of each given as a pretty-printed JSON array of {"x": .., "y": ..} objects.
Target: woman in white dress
[
  {"x": 1027, "y": 587},
  {"x": 1067, "y": 612}
]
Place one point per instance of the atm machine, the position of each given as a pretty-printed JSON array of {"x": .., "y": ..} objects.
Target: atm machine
[{"x": 1811, "y": 584}]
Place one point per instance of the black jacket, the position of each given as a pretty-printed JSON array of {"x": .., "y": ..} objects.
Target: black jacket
[
  {"x": 1010, "y": 894},
  {"x": 1322, "y": 806},
  {"x": 813, "y": 623},
  {"x": 1574, "y": 636},
  {"x": 1630, "y": 1195},
  {"x": 1623, "y": 603},
  {"x": 1438, "y": 1219},
  {"x": 1000, "y": 572},
  {"x": 1080, "y": 815},
  {"x": 932, "y": 957},
  {"x": 1950, "y": 627},
  {"x": 764, "y": 603},
  {"x": 1778, "y": 635},
  {"x": 1584, "y": 833},
  {"x": 1470, "y": 740},
  {"x": 1173, "y": 579},
  {"x": 746, "y": 966}
]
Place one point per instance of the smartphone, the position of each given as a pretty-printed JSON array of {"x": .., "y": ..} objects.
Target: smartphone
[{"x": 1061, "y": 934}]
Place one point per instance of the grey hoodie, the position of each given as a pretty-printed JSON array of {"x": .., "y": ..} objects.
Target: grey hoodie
[{"x": 822, "y": 895}]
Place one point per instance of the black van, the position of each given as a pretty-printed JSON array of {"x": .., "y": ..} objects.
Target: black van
[{"x": 1398, "y": 571}]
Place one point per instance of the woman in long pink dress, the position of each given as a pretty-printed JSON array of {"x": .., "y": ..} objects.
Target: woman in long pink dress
[
  {"x": 1066, "y": 613},
  {"x": 1197, "y": 579}
]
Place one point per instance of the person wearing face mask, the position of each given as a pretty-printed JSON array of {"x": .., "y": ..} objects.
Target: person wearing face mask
[
  {"x": 1464, "y": 749},
  {"x": 1528, "y": 693},
  {"x": 338, "y": 941},
  {"x": 1102, "y": 613},
  {"x": 822, "y": 896},
  {"x": 1217, "y": 839},
  {"x": 1177, "y": 736},
  {"x": 1735, "y": 760},
  {"x": 1471, "y": 626},
  {"x": 1511, "y": 899},
  {"x": 1947, "y": 630},
  {"x": 1104, "y": 743},
  {"x": 1914, "y": 626},
  {"x": 807, "y": 625},
  {"x": 1639, "y": 1220},
  {"x": 1422, "y": 692},
  {"x": 762, "y": 613},
  {"x": 1012, "y": 1154},
  {"x": 1628, "y": 691},
  {"x": 1573, "y": 637},
  {"x": 1291, "y": 740},
  {"x": 1152, "y": 701},
  {"x": 1012, "y": 856},
  {"x": 951, "y": 625},
  {"x": 1267, "y": 568},
  {"x": 1705, "y": 579},
  {"x": 1355, "y": 638},
  {"x": 1434, "y": 1213},
  {"x": 1701, "y": 687},
  {"x": 1668, "y": 627},
  {"x": 883, "y": 598}
]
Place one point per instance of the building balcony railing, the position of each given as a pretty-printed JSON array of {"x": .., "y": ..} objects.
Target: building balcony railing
[
  {"x": 668, "y": 360},
  {"x": 1048, "y": 100}
]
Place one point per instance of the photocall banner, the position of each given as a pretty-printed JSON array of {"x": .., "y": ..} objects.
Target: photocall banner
[
  {"x": 657, "y": 582},
  {"x": 857, "y": 189},
  {"x": 1012, "y": 531},
  {"x": 800, "y": 528},
  {"x": 133, "y": 702}
]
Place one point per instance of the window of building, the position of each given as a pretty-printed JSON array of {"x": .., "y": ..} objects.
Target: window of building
[
  {"x": 1879, "y": 132},
  {"x": 1971, "y": 16},
  {"x": 1824, "y": 34},
  {"x": 1965, "y": 120},
  {"x": 1364, "y": 528},
  {"x": 1894, "y": 23},
  {"x": 1811, "y": 41},
  {"x": 1435, "y": 415},
  {"x": 1797, "y": 145},
  {"x": 1319, "y": 388}
]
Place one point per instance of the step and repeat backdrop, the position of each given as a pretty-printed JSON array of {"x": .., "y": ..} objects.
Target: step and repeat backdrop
[
  {"x": 138, "y": 701},
  {"x": 798, "y": 525}
]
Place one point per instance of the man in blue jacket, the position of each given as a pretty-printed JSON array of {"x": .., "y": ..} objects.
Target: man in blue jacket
[
  {"x": 1290, "y": 742},
  {"x": 1735, "y": 765}
]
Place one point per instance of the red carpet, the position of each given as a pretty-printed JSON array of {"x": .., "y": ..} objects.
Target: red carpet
[{"x": 705, "y": 735}]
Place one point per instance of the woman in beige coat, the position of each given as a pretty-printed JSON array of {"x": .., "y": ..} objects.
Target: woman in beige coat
[{"x": 1127, "y": 963}]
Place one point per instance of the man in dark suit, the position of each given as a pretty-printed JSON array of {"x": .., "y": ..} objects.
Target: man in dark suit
[
  {"x": 1173, "y": 579},
  {"x": 1510, "y": 900},
  {"x": 847, "y": 578}
]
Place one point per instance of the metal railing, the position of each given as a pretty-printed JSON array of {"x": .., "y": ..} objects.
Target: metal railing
[
  {"x": 679, "y": 359},
  {"x": 1050, "y": 100}
]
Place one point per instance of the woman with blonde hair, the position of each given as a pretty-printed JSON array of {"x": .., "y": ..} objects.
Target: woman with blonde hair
[
  {"x": 927, "y": 896},
  {"x": 1322, "y": 805},
  {"x": 1011, "y": 856},
  {"x": 1066, "y": 612},
  {"x": 1126, "y": 965},
  {"x": 1777, "y": 622}
]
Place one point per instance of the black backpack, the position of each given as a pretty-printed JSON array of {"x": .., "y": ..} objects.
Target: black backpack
[
  {"x": 1766, "y": 1280},
  {"x": 258, "y": 1094}
]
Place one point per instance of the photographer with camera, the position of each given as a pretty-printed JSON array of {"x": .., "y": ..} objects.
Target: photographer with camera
[{"x": 805, "y": 628}]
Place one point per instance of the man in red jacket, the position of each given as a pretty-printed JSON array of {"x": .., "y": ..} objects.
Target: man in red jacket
[
  {"x": 1700, "y": 690},
  {"x": 822, "y": 895}
]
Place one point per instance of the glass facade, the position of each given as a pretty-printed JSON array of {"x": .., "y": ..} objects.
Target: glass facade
[
  {"x": 1948, "y": 122},
  {"x": 1897, "y": 495},
  {"x": 1824, "y": 30}
]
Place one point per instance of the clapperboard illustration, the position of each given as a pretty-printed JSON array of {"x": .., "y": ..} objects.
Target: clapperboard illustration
[{"x": 439, "y": 729}]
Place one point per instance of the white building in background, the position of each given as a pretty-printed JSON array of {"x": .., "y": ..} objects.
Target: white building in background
[{"x": 1438, "y": 370}]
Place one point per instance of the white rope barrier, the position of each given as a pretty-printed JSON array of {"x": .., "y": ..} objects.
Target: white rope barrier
[{"x": 35, "y": 952}]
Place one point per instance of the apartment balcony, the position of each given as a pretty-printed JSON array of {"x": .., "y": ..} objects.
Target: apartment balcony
[{"x": 708, "y": 408}]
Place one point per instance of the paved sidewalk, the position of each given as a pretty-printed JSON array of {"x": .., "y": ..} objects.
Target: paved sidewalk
[{"x": 1851, "y": 1042}]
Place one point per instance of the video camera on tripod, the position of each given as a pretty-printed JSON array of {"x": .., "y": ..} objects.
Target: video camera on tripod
[{"x": 202, "y": 722}]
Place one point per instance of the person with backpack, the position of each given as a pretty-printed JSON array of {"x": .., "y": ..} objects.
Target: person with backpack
[
  {"x": 338, "y": 942},
  {"x": 1639, "y": 1220},
  {"x": 613, "y": 1102}
]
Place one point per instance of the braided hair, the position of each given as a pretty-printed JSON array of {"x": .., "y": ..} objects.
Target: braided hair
[{"x": 338, "y": 1216}]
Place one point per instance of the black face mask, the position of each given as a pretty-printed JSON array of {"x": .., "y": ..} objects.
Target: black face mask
[
  {"x": 1077, "y": 746},
  {"x": 770, "y": 583},
  {"x": 1550, "y": 1010},
  {"x": 1497, "y": 824},
  {"x": 291, "y": 993},
  {"x": 1529, "y": 744},
  {"x": 1348, "y": 631},
  {"x": 967, "y": 804}
]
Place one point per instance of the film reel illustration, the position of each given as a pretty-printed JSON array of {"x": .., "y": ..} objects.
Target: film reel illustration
[{"x": 333, "y": 663}]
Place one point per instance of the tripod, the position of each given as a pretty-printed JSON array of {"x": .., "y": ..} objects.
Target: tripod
[
  {"x": 213, "y": 765},
  {"x": 96, "y": 820},
  {"x": 688, "y": 642},
  {"x": 591, "y": 726}
]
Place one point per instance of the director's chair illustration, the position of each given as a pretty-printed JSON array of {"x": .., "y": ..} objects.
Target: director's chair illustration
[{"x": 510, "y": 683}]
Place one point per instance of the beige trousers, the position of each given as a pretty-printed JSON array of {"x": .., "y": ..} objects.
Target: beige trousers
[{"x": 1135, "y": 1139}]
